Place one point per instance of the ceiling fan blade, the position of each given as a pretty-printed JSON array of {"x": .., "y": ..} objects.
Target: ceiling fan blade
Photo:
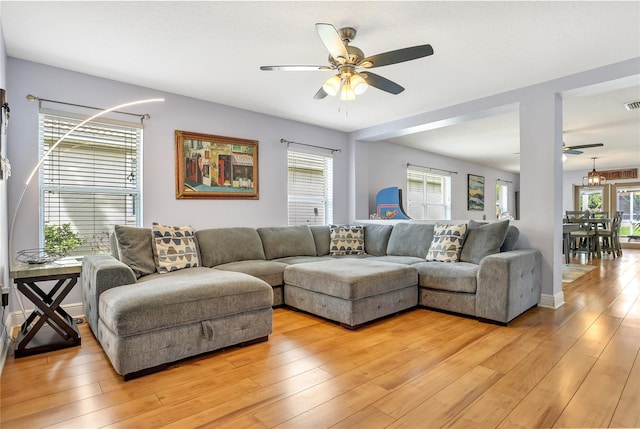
[
  {"x": 320, "y": 94},
  {"x": 583, "y": 146},
  {"x": 397, "y": 56},
  {"x": 572, "y": 152},
  {"x": 382, "y": 83},
  {"x": 295, "y": 68},
  {"x": 332, "y": 41}
]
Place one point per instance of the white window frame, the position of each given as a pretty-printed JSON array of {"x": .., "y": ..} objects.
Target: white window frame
[
  {"x": 311, "y": 191},
  {"x": 421, "y": 202},
  {"x": 502, "y": 198},
  {"x": 96, "y": 151}
]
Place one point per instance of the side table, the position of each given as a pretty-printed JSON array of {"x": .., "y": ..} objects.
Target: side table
[{"x": 49, "y": 327}]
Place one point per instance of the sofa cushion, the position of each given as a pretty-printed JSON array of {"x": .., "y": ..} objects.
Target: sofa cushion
[
  {"x": 410, "y": 239},
  {"x": 483, "y": 240},
  {"x": 322, "y": 238},
  {"x": 347, "y": 240},
  {"x": 169, "y": 300},
  {"x": 406, "y": 260},
  {"x": 134, "y": 248},
  {"x": 283, "y": 241},
  {"x": 511, "y": 239},
  {"x": 174, "y": 247},
  {"x": 447, "y": 242},
  {"x": 224, "y": 245},
  {"x": 456, "y": 277},
  {"x": 269, "y": 271},
  {"x": 376, "y": 239}
]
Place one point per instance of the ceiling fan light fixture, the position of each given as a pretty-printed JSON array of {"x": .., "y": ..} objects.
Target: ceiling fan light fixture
[
  {"x": 346, "y": 93},
  {"x": 358, "y": 84},
  {"x": 332, "y": 85}
]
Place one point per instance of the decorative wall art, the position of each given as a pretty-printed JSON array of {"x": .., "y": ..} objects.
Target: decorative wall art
[
  {"x": 215, "y": 167},
  {"x": 475, "y": 192}
]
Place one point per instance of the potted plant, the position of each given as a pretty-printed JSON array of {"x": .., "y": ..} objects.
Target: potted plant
[{"x": 60, "y": 239}]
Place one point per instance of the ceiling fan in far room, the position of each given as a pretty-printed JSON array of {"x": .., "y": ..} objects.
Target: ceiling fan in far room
[
  {"x": 348, "y": 61},
  {"x": 573, "y": 150}
]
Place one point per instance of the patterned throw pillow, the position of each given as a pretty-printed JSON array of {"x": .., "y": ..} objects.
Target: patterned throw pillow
[
  {"x": 174, "y": 248},
  {"x": 447, "y": 242},
  {"x": 346, "y": 240}
]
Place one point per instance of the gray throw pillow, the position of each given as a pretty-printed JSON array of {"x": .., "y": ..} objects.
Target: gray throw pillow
[
  {"x": 511, "y": 239},
  {"x": 135, "y": 249},
  {"x": 483, "y": 240}
]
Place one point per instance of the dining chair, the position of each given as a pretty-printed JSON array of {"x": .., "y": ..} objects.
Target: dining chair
[
  {"x": 576, "y": 216},
  {"x": 611, "y": 236},
  {"x": 585, "y": 240}
]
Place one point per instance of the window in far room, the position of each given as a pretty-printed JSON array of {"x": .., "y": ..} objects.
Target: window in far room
[
  {"x": 310, "y": 188},
  {"x": 502, "y": 199},
  {"x": 90, "y": 181},
  {"x": 428, "y": 195}
]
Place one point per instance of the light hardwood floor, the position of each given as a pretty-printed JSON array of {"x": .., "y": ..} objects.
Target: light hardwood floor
[{"x": 578, "y": 366}]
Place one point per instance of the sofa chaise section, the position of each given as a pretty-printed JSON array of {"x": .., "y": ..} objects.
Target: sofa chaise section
[{"x": 165, "y": 318}]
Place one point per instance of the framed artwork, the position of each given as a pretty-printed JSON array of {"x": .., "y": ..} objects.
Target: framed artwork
[
  {"x": 475, "y": 192},
  {"x": 215, "y": 167}
]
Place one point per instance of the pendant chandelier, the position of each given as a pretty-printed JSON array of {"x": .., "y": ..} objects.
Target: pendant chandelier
[{"x": 594, "y": 178}]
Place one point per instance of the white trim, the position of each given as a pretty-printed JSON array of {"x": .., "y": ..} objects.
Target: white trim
[
  {"x": 552, "y": 301},
  {"x": 15, "y": 319}
]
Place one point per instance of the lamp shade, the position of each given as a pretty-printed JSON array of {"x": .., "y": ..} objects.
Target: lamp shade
[
  {"x": 346, "y": 93},
  {"x": 332, "y": 85},
  {"x": 358, "y": 84}
]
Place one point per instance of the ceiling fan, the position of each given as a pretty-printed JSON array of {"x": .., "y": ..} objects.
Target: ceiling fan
[
  {"x": 347, "y": 60},
  {"x": 573, "y": 150}
]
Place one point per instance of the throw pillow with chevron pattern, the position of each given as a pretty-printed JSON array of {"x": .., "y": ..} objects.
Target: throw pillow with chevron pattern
[
  {"x": 447, "y": 242},
  {"x": 346, "y": 240},
  {"x": 174, "y": 247}
]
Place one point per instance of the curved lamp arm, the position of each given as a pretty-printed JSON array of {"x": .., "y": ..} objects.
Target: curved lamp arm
[{"x": 35, "y": 169}]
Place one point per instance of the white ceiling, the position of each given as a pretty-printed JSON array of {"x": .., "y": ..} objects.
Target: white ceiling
[{"x": 212, "y": 51}]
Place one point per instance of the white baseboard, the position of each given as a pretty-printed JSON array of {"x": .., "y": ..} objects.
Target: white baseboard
[
  {"x": 552, "y": 301},
  {"x": 17, "y": 318}
]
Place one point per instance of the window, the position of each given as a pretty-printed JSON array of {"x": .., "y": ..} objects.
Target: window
[
  {"x": 428, "y": 195},
  {"x": 91, "y": 180},
  {"x": 502, "y": 199},
  {"x": 310, "y": 189}
]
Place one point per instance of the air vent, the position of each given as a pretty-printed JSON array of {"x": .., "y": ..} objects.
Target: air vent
[{"x": 632, "y": 106}]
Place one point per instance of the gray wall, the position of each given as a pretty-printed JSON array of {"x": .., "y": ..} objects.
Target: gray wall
[
  {"x": 387, "y": 166},
  {"x": 175, "y": 113},
  {"x": 4, "y": 254}
]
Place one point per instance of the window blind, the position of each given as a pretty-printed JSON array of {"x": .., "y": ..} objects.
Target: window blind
[
  {"x": 310, "y": 189},
  {"x": 91, "y": 180},
  {"x": 428, "y": 195}
]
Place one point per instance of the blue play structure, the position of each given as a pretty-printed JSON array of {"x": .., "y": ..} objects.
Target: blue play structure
[{"x": 389, "y": 204}]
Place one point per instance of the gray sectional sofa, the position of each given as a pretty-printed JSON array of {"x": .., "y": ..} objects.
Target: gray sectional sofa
[{"x": 144, "y": 319}]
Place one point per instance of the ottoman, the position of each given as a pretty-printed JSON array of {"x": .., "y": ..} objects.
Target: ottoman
[{"x": 351, "y": 291}]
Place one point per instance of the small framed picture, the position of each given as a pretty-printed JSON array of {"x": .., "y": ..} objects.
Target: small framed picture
[{"x": 475, "y": 192}]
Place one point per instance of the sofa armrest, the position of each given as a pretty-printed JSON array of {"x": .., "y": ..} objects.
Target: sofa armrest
[
  {"x": 101, "y": 273},
  {"x": 508, "y": 284}
]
